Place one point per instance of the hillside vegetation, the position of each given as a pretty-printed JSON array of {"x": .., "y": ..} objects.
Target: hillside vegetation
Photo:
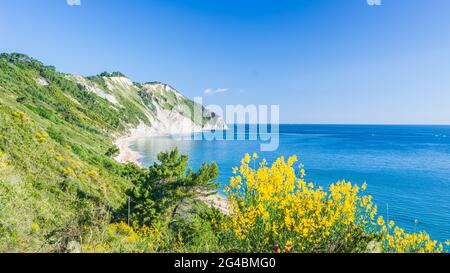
[
  {"x": 61, "y": 191},
  {"x": 57, "y": 175}
]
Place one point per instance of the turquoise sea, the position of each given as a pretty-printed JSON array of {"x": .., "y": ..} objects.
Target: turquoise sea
[{"x": 407, "y": 168}]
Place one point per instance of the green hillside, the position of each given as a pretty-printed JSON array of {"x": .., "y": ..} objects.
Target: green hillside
[{"x": 57, "y": 177}]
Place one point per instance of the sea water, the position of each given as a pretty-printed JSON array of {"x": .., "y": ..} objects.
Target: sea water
[{"x": 407, "y": 168}]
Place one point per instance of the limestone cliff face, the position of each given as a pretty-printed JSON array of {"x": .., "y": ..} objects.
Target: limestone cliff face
[{"x": 162, "y": 109}]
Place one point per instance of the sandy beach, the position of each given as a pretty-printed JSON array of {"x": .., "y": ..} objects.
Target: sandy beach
[{"x": 126, "y": 155}]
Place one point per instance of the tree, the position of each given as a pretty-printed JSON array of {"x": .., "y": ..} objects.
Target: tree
[
  {"x": 112, "y": 151},
  {"x": 168, "y": 184}
]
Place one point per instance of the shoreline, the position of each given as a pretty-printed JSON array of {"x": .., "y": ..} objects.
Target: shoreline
[{"x": 127, "y": 155}]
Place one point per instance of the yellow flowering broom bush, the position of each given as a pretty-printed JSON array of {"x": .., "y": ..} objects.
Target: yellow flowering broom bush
[
  {"x": 123, "y": 238},
  {"x": 395, "y": 239},
  {"x": 272, "y": 208}
]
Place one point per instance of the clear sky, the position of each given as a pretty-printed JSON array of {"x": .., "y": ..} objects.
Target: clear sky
[{"x": 322, "y": 61}]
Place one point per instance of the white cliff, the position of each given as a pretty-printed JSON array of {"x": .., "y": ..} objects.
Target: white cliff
[{"x": 162, "y": 110}]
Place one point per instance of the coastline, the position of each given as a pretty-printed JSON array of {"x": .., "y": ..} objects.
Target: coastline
[{"x": 127, "y": 155}]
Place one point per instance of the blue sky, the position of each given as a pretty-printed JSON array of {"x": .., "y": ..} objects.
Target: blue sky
[{"x": 322, "y": 61}]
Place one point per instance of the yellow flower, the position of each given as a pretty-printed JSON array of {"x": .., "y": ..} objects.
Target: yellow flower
[
  {"x": 273, "y": 203},
  {"x": 292, "y": 160},
  {"x": 21, "y": 116},
  {"x": 246, "y": 159},
  {"x": 288, "y": 246},
  {"x": 302, "y": 172},
  {"x": 34, "y": 227},
  {"x": 364, "y": 186},
  {"x": 41, "y": 137},
  {"x": 391, "y": 224}
]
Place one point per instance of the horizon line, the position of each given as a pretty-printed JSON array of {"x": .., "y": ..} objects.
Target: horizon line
[{"x": 351, "y": 124}]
